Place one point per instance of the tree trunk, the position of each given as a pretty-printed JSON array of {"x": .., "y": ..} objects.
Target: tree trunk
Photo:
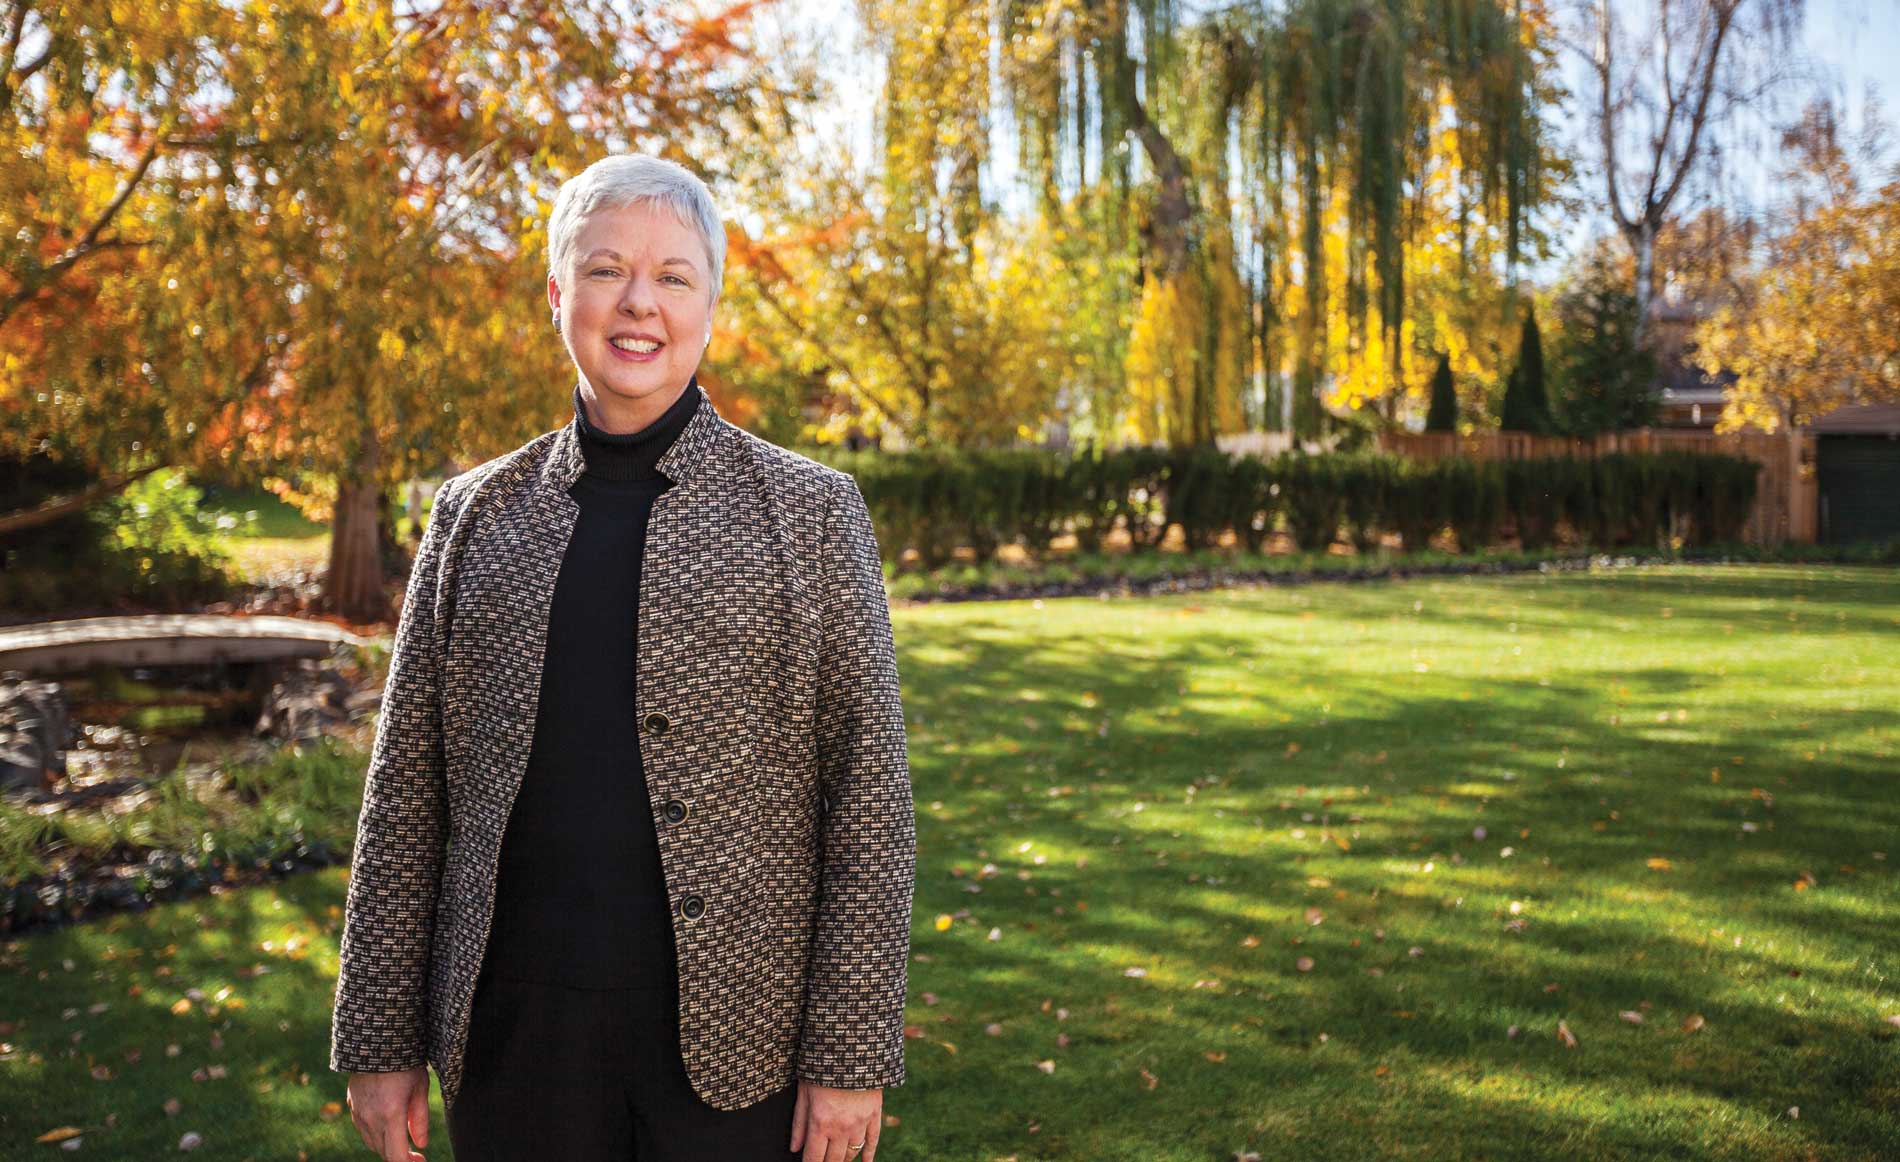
[
  {"x": 1167, "y": 233},
  {"x": 1642, "y": 240},
  {"x": 354, "y": 588}
]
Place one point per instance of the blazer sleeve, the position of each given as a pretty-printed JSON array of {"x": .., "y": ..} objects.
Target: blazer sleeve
[
  {"x": 381, "y": 991},
  {"x": 853, "y": 1024}
]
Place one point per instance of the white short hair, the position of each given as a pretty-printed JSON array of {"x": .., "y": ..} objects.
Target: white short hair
[{"x": 623, "y": 179}]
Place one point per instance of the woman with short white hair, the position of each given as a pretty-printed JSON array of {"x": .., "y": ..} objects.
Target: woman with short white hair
[{"x": 635, "y": 859}]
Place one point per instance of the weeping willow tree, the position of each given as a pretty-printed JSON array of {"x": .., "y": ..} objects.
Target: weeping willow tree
[{"x": 1276, "y": 169}]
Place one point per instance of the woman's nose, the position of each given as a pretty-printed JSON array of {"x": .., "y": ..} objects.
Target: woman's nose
[{"x": 637, "y": 299}]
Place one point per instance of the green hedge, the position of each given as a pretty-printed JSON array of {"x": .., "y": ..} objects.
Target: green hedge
[{"x": 935, "y": 501}]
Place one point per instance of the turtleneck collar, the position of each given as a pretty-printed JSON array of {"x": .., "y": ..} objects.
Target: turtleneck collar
[{"x": 633, "y": 455}]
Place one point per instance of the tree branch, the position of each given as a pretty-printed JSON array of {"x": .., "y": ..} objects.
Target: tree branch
[
  {"x": 61, "y": 507},
  {"x": 32, "y": 284},
  {"x": 1606, "y": 116},
  {"x": 831, "y": 356},
  {"x": 1724, "y": 19}
]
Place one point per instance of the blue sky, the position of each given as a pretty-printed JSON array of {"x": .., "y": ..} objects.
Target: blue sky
[{"x": 1852, "y": 47}]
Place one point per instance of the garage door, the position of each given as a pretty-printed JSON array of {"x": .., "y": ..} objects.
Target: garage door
[{"x": 1859, "y": 479}]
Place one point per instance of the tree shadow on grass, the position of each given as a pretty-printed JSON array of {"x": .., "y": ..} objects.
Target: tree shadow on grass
[
  {"x": 272, "y": 1029},
  {"x": 1446, "y": 759}
]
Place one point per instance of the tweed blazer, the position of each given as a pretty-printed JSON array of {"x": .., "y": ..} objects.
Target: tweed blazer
[{"x": 771, "y": 736}]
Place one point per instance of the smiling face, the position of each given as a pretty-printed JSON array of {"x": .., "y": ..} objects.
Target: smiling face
[{"x": 636, "y": 276}]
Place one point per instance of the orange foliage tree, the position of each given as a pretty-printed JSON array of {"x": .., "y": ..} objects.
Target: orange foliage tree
[{"x": 302, "y": 239}]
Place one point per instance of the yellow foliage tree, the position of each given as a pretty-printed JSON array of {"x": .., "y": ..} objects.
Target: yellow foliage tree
[{"x": 1816, "y": 329}]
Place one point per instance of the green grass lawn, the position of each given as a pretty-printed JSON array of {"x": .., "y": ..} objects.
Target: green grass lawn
[
  {"x": 1267, "y": 872},
  {"x": 262, "y": 534}
]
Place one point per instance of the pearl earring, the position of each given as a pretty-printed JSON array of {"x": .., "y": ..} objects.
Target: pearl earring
[{"x": 557, "y": 320}]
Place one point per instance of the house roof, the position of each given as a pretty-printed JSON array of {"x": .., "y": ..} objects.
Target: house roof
[
  {"x": 1868, "y": 419},
  {"x": 1683, "y": 382}
]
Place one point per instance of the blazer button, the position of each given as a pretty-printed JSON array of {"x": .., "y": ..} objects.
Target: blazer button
[
  {"x": 692, "y": 907},
  {"x": 656, "y": 723},
  {"x": 675, "y": 810}
]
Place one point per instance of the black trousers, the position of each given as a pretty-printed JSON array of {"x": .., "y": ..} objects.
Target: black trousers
[{"x": 594, "y": 1075}]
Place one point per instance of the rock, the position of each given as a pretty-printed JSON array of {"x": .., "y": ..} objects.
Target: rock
[
  {"x": 307, "y": 698},
  {"x": 35, "y": 730}
]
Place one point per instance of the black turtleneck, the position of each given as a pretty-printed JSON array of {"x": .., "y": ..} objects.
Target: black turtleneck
[
  {"x": 633, "y": 455},
  {"x": 580, "y": 899}
]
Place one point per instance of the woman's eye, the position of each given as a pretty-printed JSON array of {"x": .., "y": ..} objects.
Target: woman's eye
[
  {"x": 606, "y": 270},
  {"x": 676, "y": 278}
]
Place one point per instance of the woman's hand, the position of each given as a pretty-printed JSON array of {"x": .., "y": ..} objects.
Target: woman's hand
[
  {"x": 827, "y": 1122},
  {"x": 389, "y": 1109}
]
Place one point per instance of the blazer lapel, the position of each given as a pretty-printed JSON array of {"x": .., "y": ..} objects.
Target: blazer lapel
[{"x": 505, "y": 589}]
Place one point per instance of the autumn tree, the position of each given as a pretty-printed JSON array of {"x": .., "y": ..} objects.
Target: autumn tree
[
  {"x": 886, "y": 296},
  {"x": 130, "y": 330},
  {"x": 321, "y": 265},
  {"x": 1243, "y": 214},
  {"x": 1816, "y": 330},
  {"x": 1336, "y": 114}
]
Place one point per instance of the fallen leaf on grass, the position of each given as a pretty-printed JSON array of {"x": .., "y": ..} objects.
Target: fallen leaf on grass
[
  {"x": 60, "y": 1134},
  {"x": 1565, "y": 1035},
  {"x": 1692, "y": 1022}
]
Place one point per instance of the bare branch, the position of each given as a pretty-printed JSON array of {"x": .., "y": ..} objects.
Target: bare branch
[
  {"x": 1606, "y": 116},
  {"x": 1724, "y": 14}
]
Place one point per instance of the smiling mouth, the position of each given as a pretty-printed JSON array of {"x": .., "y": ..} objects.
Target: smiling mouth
[{"x": 637, "y": 346}]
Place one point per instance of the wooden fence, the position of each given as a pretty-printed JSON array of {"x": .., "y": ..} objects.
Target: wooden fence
[{"x": 1786, "y": 507}]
